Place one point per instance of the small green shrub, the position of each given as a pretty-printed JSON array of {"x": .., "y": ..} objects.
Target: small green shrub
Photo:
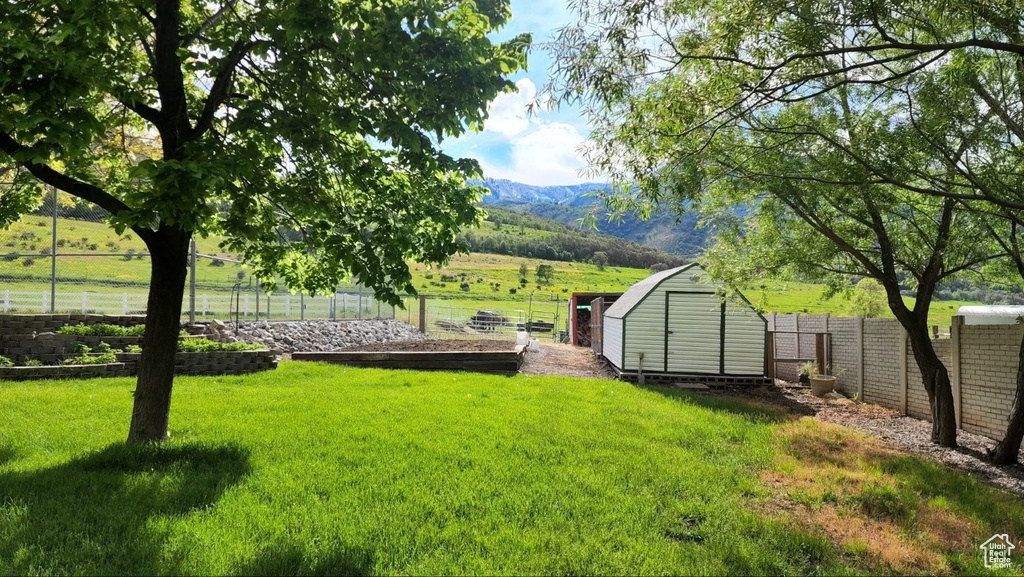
[
  {"x": 33, "y": 363},
  {"x": 206, "y": 345},
  {"x": 133, "y": 349},
  {"x": 90, "y": 359},
  {"x": 6, "y": 362},
  {"x": 80, "y": 348},
  {"x": 103, "y": 348},
  {"x": 102, "y": 330}
]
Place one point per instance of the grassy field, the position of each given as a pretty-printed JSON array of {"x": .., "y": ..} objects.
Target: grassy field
[
  {"x": 316, "y": 470},
  {"x": 488, "y": 277}
]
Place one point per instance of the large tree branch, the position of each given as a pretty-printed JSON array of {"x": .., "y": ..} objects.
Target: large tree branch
[
  {"x": 221, "y": 86},
  {"x": 211, "y": 21},
  {"x": 170, "y": 81},
  {"x": 73, "y": 186},
  {"x": 148, "y": 113}
]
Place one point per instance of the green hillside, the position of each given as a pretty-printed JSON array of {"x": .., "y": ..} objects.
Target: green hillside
[{"x": 515, "y": 233}]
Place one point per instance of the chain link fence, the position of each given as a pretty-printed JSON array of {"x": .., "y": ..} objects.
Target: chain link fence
[
  {"x": 543, "y": 316},
  {"x": 64, "y": 258}
]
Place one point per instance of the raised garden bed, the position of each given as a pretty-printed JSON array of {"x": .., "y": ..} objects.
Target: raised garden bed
[
  {"x": 71, "y": 350},
  {"x": 443, "y": 345},
  {"x": 214, "y": 362},
  {"x": 500, "y": 357},
  {"x": 104, "y": 370}
]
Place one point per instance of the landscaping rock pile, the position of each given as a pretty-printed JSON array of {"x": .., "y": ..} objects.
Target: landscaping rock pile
[{"x": 312, "y": 335}]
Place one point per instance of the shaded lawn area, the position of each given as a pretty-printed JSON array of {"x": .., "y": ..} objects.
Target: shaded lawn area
[{"x": 316, "y": 469}]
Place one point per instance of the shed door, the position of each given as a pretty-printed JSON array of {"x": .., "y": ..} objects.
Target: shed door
[
  {"x": 693, "y": 332},
  {"x": 596, "y": 325}
]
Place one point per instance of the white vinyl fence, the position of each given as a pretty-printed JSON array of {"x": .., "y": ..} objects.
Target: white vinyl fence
[{"x": 207, "y": 305}]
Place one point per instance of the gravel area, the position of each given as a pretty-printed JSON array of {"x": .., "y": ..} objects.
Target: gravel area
[
  {"x": 435, "y": 345},
  {"x": 311, "y": 335},
  {"x": 906, "y": 433},
  {"x": 565, "y": 360}
]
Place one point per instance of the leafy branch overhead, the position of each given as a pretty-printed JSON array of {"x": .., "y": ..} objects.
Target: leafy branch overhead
[{"x": 265, "y": 121}]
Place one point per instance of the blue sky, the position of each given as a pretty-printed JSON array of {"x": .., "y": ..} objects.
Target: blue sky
[{"x": 541, "y": 149}]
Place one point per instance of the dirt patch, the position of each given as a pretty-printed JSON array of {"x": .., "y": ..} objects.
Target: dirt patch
[
  {"x": 902, "y": 432},
  {"x": 831, "y": 481},
  {"x": 440, "y": 345},
  {"x": 567, "y": 361}
]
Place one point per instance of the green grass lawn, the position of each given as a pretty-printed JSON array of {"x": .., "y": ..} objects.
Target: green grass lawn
[{"x": 313, "y": 469}]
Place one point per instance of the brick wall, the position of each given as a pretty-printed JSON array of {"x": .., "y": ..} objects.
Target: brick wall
[
  {"x": 846, "y": 350},
  {"x": 988, "y": 376},
  {"x": 789, "y": 345},
  {"x": 988, "y": 357},
  {"x": 882, "y": 369}
]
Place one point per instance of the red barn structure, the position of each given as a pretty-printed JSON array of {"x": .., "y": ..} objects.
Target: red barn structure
[{"x": 580, "y": 315}]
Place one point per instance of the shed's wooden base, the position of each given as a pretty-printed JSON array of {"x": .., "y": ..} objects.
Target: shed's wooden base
[{"x": 709, "y": 380}]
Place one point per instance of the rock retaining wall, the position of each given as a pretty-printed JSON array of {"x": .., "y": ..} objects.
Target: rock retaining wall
[{"x": 312, "y": 335}]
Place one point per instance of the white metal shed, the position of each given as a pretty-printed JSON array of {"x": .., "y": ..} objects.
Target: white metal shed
[
  {"x": 676, "y": 323},
  {"x": 991, "y": 314}
]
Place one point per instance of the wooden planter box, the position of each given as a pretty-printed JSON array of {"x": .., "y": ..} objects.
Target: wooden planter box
[{"x": 496, "y": 362}]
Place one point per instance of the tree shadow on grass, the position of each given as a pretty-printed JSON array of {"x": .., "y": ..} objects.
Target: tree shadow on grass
[
  {"x": 7, "y": 454},
  {"x": 95, "y": 514},
  {"x": 291, "y": 559},
  {"x": 760, "y": 404}
]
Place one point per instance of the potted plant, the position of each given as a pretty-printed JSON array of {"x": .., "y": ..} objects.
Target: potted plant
[
  {"x": 821, "y": 385},
  {"x": 804, "y": 372}
]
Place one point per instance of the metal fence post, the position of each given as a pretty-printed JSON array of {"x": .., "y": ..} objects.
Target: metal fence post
[
  {"x": 359, "y": 303},
  {"x": 257, "y": 299},
  {"x": 53, "y": 257},
  {"x": 192, "y": 286},
  {"x": 423, "y": 314}
]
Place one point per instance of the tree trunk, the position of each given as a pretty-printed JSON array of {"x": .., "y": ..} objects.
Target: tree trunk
[
  {"x": 169, "y": 267},
  {"x": 935, "y": 378},
  {"x": 1007, "y": 451}
]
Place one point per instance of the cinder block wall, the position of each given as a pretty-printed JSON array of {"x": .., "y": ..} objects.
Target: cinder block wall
[
  {"x": 882, "y": 369},
  {"x": 846, "y": 351},
  {"x": 988, "y": 376},
  {"x": 988, "y": 357}
]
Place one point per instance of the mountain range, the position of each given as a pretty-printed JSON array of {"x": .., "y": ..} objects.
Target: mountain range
[{"x": 677, "y": 234}]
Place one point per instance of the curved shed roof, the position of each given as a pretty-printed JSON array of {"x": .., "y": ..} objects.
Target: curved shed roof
[{"x": 638, "y": 291}]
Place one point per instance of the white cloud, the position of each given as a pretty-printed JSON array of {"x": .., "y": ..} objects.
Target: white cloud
[
  {"x": 547, "y": 154},
  {"x": 508, "y": 116}
]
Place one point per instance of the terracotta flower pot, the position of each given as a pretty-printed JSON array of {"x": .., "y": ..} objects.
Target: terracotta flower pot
[{"x": 821, "y": 385}]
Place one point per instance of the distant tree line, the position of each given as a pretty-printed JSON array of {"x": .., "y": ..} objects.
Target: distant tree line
[{"x": 610, "y": 251}]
